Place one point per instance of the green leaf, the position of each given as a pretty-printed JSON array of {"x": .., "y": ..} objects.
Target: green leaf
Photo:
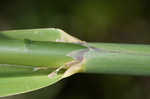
[
  {"x": 43, "y": 34},
  {"x": 25, "y": 65},
  {"x": 18, "y": 80},
  {"x": 19, "y": 59}
]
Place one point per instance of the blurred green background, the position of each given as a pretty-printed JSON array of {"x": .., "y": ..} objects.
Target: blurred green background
[{"x": 117, "y": 21}]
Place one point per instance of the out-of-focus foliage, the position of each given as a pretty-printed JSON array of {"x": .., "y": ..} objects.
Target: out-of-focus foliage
[
  {"x": 98, "y": 20},
  {"x": 125, "y": 21}
]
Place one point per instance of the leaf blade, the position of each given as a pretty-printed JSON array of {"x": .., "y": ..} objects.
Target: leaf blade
[{"x": 21, "y": 80}]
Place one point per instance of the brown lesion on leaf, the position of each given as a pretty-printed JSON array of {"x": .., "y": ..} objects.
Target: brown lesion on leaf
[
  {"x": 76, "y": 65},
  {"x": 78, "y": 56}
]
